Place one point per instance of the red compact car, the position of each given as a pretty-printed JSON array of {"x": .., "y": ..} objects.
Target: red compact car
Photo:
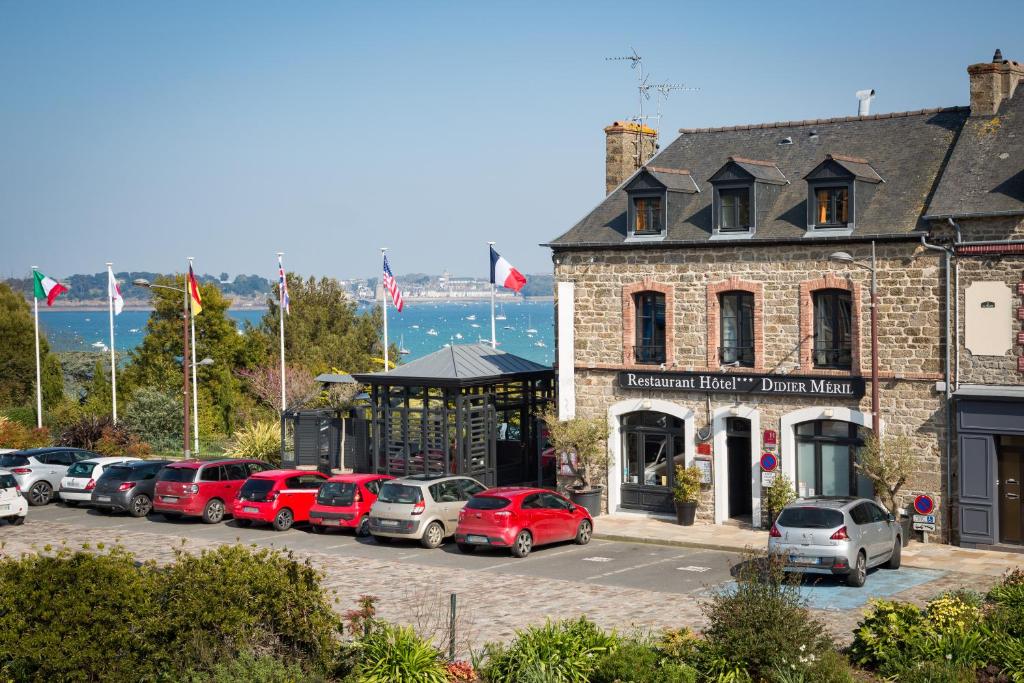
[
  {"x": 521, "y": 518},
  {"x": 345, "y": 501},
  {"x": 277, "y": 497},
  {"x": 202, "y": 488}
]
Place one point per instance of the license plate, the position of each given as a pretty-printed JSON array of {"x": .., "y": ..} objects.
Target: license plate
[
  {"x": 476, "y": 539},
  {"x": 250, "y": 509},
  {"x": 330, "y": 522},
  {"x": 170, "y": 499},
  {"x": 389, "y": 522},
  {"x": 5, "y": 507},
  {"x": 797, "y": 559},
  {"x": 102, "y": 499}
]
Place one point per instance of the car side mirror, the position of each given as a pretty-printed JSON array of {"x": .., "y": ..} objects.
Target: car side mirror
[
  {"x": 572, "y": 508},
  {"x": 891, "y": 517}
]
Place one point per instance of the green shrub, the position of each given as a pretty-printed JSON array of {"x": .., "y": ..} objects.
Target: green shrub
[
  {"x": 259, "y": 440},
  {"x": 557, "y": 652},
  {"x": 936, "y": 672},
  {"x": 762, "y": 622},
  {"x": 252, "y": 669},
  {"x": 637, "y": 662},
  {"x": 16, "y": 435},
  {"x": 155, "y": 417},
  {"x": 23, "y": 415},
  {"x": 881, "y": 640},
  {"x": 1009, "y": 591},
  {"x": 389, "y": 654}
]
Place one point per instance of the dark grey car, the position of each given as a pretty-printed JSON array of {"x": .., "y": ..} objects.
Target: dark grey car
[{"x": 128, "y": 487}]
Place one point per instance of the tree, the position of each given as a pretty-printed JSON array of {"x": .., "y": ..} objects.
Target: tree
[
  {"x": 155, "y": 416},
  {"x": 887, "y": 462},
  {"x": 265, "y": 384},
  {"x": 156, "y": 362},
  {"x": 586, "y": 438},
  {"x": 17, "y": 356},
  {"x": 325, "y": 329},
  {"x": 98, "y": 396}
]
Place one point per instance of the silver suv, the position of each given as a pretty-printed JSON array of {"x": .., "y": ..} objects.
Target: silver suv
[
  {"x": 836, "y": 535},
  {"x": 39, "y": 471},
  {"x": 422, "y": 507}
]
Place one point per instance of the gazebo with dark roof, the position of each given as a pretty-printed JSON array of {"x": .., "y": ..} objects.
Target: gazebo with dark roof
[{"x": 466, "y": 409}]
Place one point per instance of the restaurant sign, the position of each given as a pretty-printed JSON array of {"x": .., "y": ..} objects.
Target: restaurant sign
[{"x": 719, "y": 383}]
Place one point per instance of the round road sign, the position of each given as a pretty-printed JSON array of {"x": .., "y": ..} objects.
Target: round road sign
[
  {"x": 769, "y": 461},
  {"x": 923, "y": 505}
]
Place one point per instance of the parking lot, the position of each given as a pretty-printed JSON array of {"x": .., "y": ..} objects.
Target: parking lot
[{"x": 618, "y": 584}]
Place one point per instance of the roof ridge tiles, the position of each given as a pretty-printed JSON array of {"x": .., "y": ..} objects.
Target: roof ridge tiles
[
  {"x": 839, "y": 119},
  {"x": 844, "y": 157},
  {"x": 756, "y": 162},
  {"x": 662, "y": 169}
]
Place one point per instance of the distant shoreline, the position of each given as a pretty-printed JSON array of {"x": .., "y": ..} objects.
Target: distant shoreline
[{"x": 95, "y": 307}]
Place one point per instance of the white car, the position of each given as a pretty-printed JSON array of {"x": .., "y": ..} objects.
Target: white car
[
  {"x": 13, "y": 506},
  {"x": 80, "y": 479}
]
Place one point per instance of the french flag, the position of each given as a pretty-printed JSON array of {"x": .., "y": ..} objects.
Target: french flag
[{"x": 504, "y": 274}]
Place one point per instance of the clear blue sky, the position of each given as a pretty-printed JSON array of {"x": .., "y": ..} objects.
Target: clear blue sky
[{"x": 146, "y": 132}]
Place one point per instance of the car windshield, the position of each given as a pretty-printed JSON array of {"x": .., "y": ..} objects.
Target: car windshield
[
  {"x": 117, "y": 473},
  {"x": 81, "y": 469},
  {"x": 11, "y": 460},
  {"x": 256, "y": 489},
  {"x": 400, "y": 493},
  {"x": 487, "y": 503},
  {"x": 7, "y": 481},
  {"x": 810, "y": 518},
  {"x": 178, "y": 474},
  {"x": 336, "y": 493}
]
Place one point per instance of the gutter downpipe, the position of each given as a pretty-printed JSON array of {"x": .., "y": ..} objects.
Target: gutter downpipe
[{"x": 947, "y": 252}]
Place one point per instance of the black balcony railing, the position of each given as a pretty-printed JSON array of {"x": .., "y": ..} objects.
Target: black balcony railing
[
  {"x": 650, "y": 354},
  {"x": 743, "y": 356}
]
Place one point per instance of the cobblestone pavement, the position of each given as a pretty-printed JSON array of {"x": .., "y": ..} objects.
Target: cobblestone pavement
[{"x": 619, "y": 585}]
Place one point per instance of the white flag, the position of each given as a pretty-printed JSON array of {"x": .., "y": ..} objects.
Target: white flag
[{"x": 114, "y": 291}]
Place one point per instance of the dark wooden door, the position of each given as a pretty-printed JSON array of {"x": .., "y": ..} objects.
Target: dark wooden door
[
  {"x": 1010, "y": 490},
  {"x": 738, "y": 450}
]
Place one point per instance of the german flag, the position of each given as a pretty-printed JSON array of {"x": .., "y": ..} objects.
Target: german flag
[{"x": 195, "y": 298}]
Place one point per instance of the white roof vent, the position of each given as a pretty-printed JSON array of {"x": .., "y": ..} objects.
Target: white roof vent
[{"x": 864, "y": 105}]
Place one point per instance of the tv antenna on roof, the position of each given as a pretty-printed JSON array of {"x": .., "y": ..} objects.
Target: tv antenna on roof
[{"x": 644, "y": 88}]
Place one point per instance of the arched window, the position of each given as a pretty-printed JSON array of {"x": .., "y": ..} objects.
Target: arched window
[
  {"x": 736, "y": 318},
  {"x": 833, "y": 329},
  {"x": 650, "y": 327}
]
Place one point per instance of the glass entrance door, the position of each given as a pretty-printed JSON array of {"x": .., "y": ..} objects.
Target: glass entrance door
[{"x": 652, "y": 444}]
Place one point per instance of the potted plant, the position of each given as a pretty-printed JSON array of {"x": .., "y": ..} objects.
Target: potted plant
[
  {"x": 686, "y": 494},
  {"x": 777, "y": 496},
  {"x": 582, "y": 440},
  {"x": 887, "y": 463}
]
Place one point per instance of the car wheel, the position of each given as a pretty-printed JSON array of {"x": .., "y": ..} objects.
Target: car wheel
[
  {"x": 523, "y": 544},
  {"x": 467, "y": 548},
  {"x": 284, "y": 520},
  {"x": 584, "y": 532},
  {"x": 40, "y": 493},
  {"x": 140, "y": 505},
  {"x": 859, "y": 573},
  {"x": 18, "y": 521},
  {"x": 363, "y": 530},
  {"x": 433, "y": 535},
  {"x": 897, "y": 555},
  {"x": 213, "y": 513},
  {"x": 383, "y": 540},
  {"x": 70, "y": 503}
]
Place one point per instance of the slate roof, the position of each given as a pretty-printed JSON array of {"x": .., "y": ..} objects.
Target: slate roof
[
  {"x": 857, "y": 167},
  {"x": 985, "y": 174},
  {"x": 761, "y": 170},
  {"x": 459, "y": 365},
  {"x": 906, "y": 149},
  {"x": 675, "y": 180}
]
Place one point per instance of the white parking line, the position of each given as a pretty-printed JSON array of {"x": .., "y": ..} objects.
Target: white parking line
[{"x": 632, "y": 567}]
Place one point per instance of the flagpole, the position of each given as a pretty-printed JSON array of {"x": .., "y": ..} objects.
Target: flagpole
[
  {"x": 280, "y": 301},
  {"x": 385, "y": 301},
  {"x": 184, "y": 366},
  {"x": 39, "y": 373},
  {"x": 195, "y": 390},
  {"x": 113, "y": 360},
  {"x": 494, "y": 336}
]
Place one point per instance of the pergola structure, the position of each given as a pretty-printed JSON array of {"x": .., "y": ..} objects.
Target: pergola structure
[{"x": 466, "y": 409}]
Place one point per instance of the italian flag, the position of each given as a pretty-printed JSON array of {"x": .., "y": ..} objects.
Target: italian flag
[{"x": 47, "y": 288}]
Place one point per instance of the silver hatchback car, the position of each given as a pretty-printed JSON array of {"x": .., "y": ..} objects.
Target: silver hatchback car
[
  {"x": 836, "y": 535},
  {"x": 422, "y": 507}
]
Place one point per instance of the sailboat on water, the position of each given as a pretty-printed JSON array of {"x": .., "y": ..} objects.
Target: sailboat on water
[
  {"x": 501, "y": 313},
  {"x": 401, "y": 346},
  {"x": 530, "y": 329}
]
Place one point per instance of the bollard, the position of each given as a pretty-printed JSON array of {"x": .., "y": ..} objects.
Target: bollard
[{"x": 451, "y": 631}]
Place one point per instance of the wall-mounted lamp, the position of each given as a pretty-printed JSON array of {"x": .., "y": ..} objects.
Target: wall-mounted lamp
[
  {"x": 645, "y": 404},
  {"x": 734, "y": 410},
  {"x": 828, "y": 412}
]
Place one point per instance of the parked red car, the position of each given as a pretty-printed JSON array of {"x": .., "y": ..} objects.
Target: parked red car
[
  {"x": 521, "y": 518},
  {"x": 202, "y": 488},
  {"x": 277, "y": 497},
  {"x": 345, "y": 502}
]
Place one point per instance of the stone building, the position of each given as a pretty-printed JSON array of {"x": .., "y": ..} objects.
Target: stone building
[{"x": 715, "y": 306}]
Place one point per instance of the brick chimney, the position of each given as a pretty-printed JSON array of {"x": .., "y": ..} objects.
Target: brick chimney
[
  {"x": 623, "y": 140},
  {"x": 992, "y": 82}
]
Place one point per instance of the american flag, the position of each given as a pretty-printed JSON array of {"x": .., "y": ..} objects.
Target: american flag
[
  {"x": 283, "y": 284},
  {"x": 392, "y": 286}
]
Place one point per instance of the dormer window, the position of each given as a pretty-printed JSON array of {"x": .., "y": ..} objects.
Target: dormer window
[
  {"x": 832, "y": 206},
  {"x": 744, "y": 189},
  {"x": 647, "y": 215},
  {"x": 835, "y": 189},
  {"x": 655, "y": 195}
]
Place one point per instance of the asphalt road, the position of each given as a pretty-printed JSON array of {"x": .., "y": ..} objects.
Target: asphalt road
[{"x": 605, "y": 563}]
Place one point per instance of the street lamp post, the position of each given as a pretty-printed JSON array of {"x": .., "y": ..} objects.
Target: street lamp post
[
  {"x": 843, "y": 257},
  {"x": 142, "y": 282}
]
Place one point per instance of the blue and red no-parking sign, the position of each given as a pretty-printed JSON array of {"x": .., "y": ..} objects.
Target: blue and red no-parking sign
[
  {"x": 769, "y": 461},
  {"x": 923, "y": 505}
]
